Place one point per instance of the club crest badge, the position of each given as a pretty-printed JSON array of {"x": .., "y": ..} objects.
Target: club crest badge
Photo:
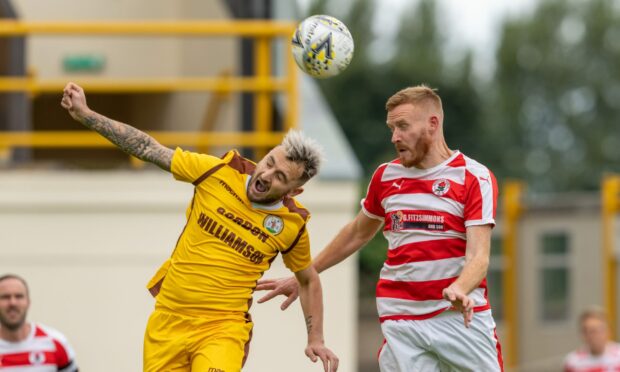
[
  {"x": 273, "y": 224},
  {"x": 36, "y": 358},
  {"x": 441, "y": 186}
]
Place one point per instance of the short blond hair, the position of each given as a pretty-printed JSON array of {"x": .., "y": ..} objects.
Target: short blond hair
[
  {"x": 415, "y": 95},
  {"x": 595, "y": 312},
  {"x": 302, "y": 149}
]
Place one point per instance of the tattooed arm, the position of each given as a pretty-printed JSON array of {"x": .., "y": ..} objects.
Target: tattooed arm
[
  {"x": 311, "y": 298},
  {"x": 126, "y": 137}
]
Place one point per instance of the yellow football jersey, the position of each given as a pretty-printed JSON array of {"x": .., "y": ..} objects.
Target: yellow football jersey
[{"x": 228, "y": 242}]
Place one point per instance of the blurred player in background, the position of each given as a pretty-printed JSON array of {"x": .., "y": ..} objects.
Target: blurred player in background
[
  {"x": 598, "y": 353},
  {"x": 437, "y": 208},
  {"x": 241, "y": 216},
  {"x": 28, "y": 346}
]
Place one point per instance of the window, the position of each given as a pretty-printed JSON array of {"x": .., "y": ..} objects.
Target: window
[
  {"x": 554, "y": 276},
  {"x": 495, "y": 278}
]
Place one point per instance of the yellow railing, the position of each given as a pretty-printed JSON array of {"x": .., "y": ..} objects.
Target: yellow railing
[{"x": 263, "y": 84}]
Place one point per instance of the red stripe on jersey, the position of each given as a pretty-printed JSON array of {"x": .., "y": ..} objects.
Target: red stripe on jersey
[
  {"x": 38, "y": 332},
  {"x": 23, "y": 359},
  {"x": 426, "y": 251},
  {"x": 498, "y": 347},
  {"x": 401, "y": 186},
  {"x": 62, "y": 357},
  {"x": 473, "y": 208},
  {"x": 417, "y": 291},
  {"x": 459, "y": 161},
  {"x": 372, "y": 202},
  {"x": 449, "y": 221}
]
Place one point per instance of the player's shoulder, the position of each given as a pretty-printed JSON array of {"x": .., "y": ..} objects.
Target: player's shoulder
[
  {"x": 295, "y": 208},
  {"x": 45, "y": 331},
  {"x": 237, "y": 162},
  {"x": 574, "y": 358},
  {"x": 42, "y": 330},
  {"x": 475, "y": 167},
  {"x": 394, "y": 165}
]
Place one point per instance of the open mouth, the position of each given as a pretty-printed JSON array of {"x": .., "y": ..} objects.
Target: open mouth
[{"x": 260, "y": 185}]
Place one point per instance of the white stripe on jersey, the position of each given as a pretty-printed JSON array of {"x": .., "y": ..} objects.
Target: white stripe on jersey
[
  {"x": 488, "y": 221},
  {"x": 395, "y": 306},
  {"x": 35, "y": 344},
  {"x": 397, "y": 239},
  {"x": 422, "y": 202},
  {"x": 486, "y": 188},
  {"x": 424, "y": 270},
  {"x": 395, "y": 171}
]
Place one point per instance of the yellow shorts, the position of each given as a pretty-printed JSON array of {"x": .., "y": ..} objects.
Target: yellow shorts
[{"x": 175, "y": 343}]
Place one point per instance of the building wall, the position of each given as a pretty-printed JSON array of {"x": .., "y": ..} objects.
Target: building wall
[{"x": 88, "y": 242}]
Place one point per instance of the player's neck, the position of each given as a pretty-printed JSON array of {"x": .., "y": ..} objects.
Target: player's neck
[
  {"x": 437, "y": 154},
  {"x": 20, "y": 334}
]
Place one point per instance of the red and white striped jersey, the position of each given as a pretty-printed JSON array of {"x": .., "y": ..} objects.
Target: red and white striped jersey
[
  {"x": 45, "y": 350},
  {"x": 425, "y": 214},
  {"x": 583, "y": 361}
]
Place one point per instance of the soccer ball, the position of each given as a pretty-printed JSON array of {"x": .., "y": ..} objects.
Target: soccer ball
[{"x": 322, "y": 46}]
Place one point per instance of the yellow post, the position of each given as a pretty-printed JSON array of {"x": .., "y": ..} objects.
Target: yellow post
[
  {"x": 610, "y": 205},
  {"x": 292, "y": 112},
  {"x": 262, "y": 100},
  {"x": 511, "y": 212}
]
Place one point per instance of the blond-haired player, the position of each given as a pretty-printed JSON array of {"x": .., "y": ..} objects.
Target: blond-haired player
[
  {"x": 436, "y": 208},
  {"x": 240, "y": 217}
]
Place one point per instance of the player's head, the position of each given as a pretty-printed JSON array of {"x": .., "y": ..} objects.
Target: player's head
[
  {"x": 415, "y": 118},
  {"x": 14, "y": 301},
  {"x": 594, "y": 329},
  {"x": 285, "y": 169}
]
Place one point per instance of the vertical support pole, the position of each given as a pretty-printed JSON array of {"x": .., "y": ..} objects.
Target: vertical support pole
[
  {"x": 512, "y": 210},
  {"x": 292, "y": 89},
  {"x": 262, "y": 99},
  {"x": 610, "y": 204}
]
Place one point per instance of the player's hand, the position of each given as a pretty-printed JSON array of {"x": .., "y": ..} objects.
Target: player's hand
[
  {"x": 288, "y": 287},
  {"x": 317, "y": 350},
  {"x": 74, "y": 101},
  {"x": 461, "y": 302}
]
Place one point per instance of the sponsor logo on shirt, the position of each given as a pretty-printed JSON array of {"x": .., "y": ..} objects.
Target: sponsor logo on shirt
[
  {"x": 255, "y": 230},
  {"x": 273, "y": 224},
  {"x": 231, "y": 191},
  {"x": 412, "y": 221},
  {"x": 237, "y": 243},
  {"x": 441, "y": 186}
]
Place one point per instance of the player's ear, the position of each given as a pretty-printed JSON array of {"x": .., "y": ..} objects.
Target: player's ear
[
  {"x": 434, "y": 123},
  {"x": 295, "y": 191}
]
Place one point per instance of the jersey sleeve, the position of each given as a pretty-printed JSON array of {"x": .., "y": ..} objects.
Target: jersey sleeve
[
  {"x": 481, "y": 198},
  {"x": 371, "y": 204},
  {"x": 188, "y": 166},
  {"x": 65, "y": 356},
  {"x": 297, "y": 256}
]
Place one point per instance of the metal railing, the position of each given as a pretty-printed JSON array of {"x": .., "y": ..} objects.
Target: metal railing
[{"x": 263, "y": 84}]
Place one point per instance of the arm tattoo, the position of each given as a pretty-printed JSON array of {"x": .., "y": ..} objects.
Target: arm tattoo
[
  {"x": 309, "y": 323},
  {"x": 131, "y": 140}
]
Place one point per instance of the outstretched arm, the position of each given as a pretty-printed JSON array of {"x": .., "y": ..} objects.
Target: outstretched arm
[
  {"x": 474, "y": 271},
  {"x": 311, "y": 297},
  {"x": 349, "y": 240},
  {"x": 127, "y": 138}
]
